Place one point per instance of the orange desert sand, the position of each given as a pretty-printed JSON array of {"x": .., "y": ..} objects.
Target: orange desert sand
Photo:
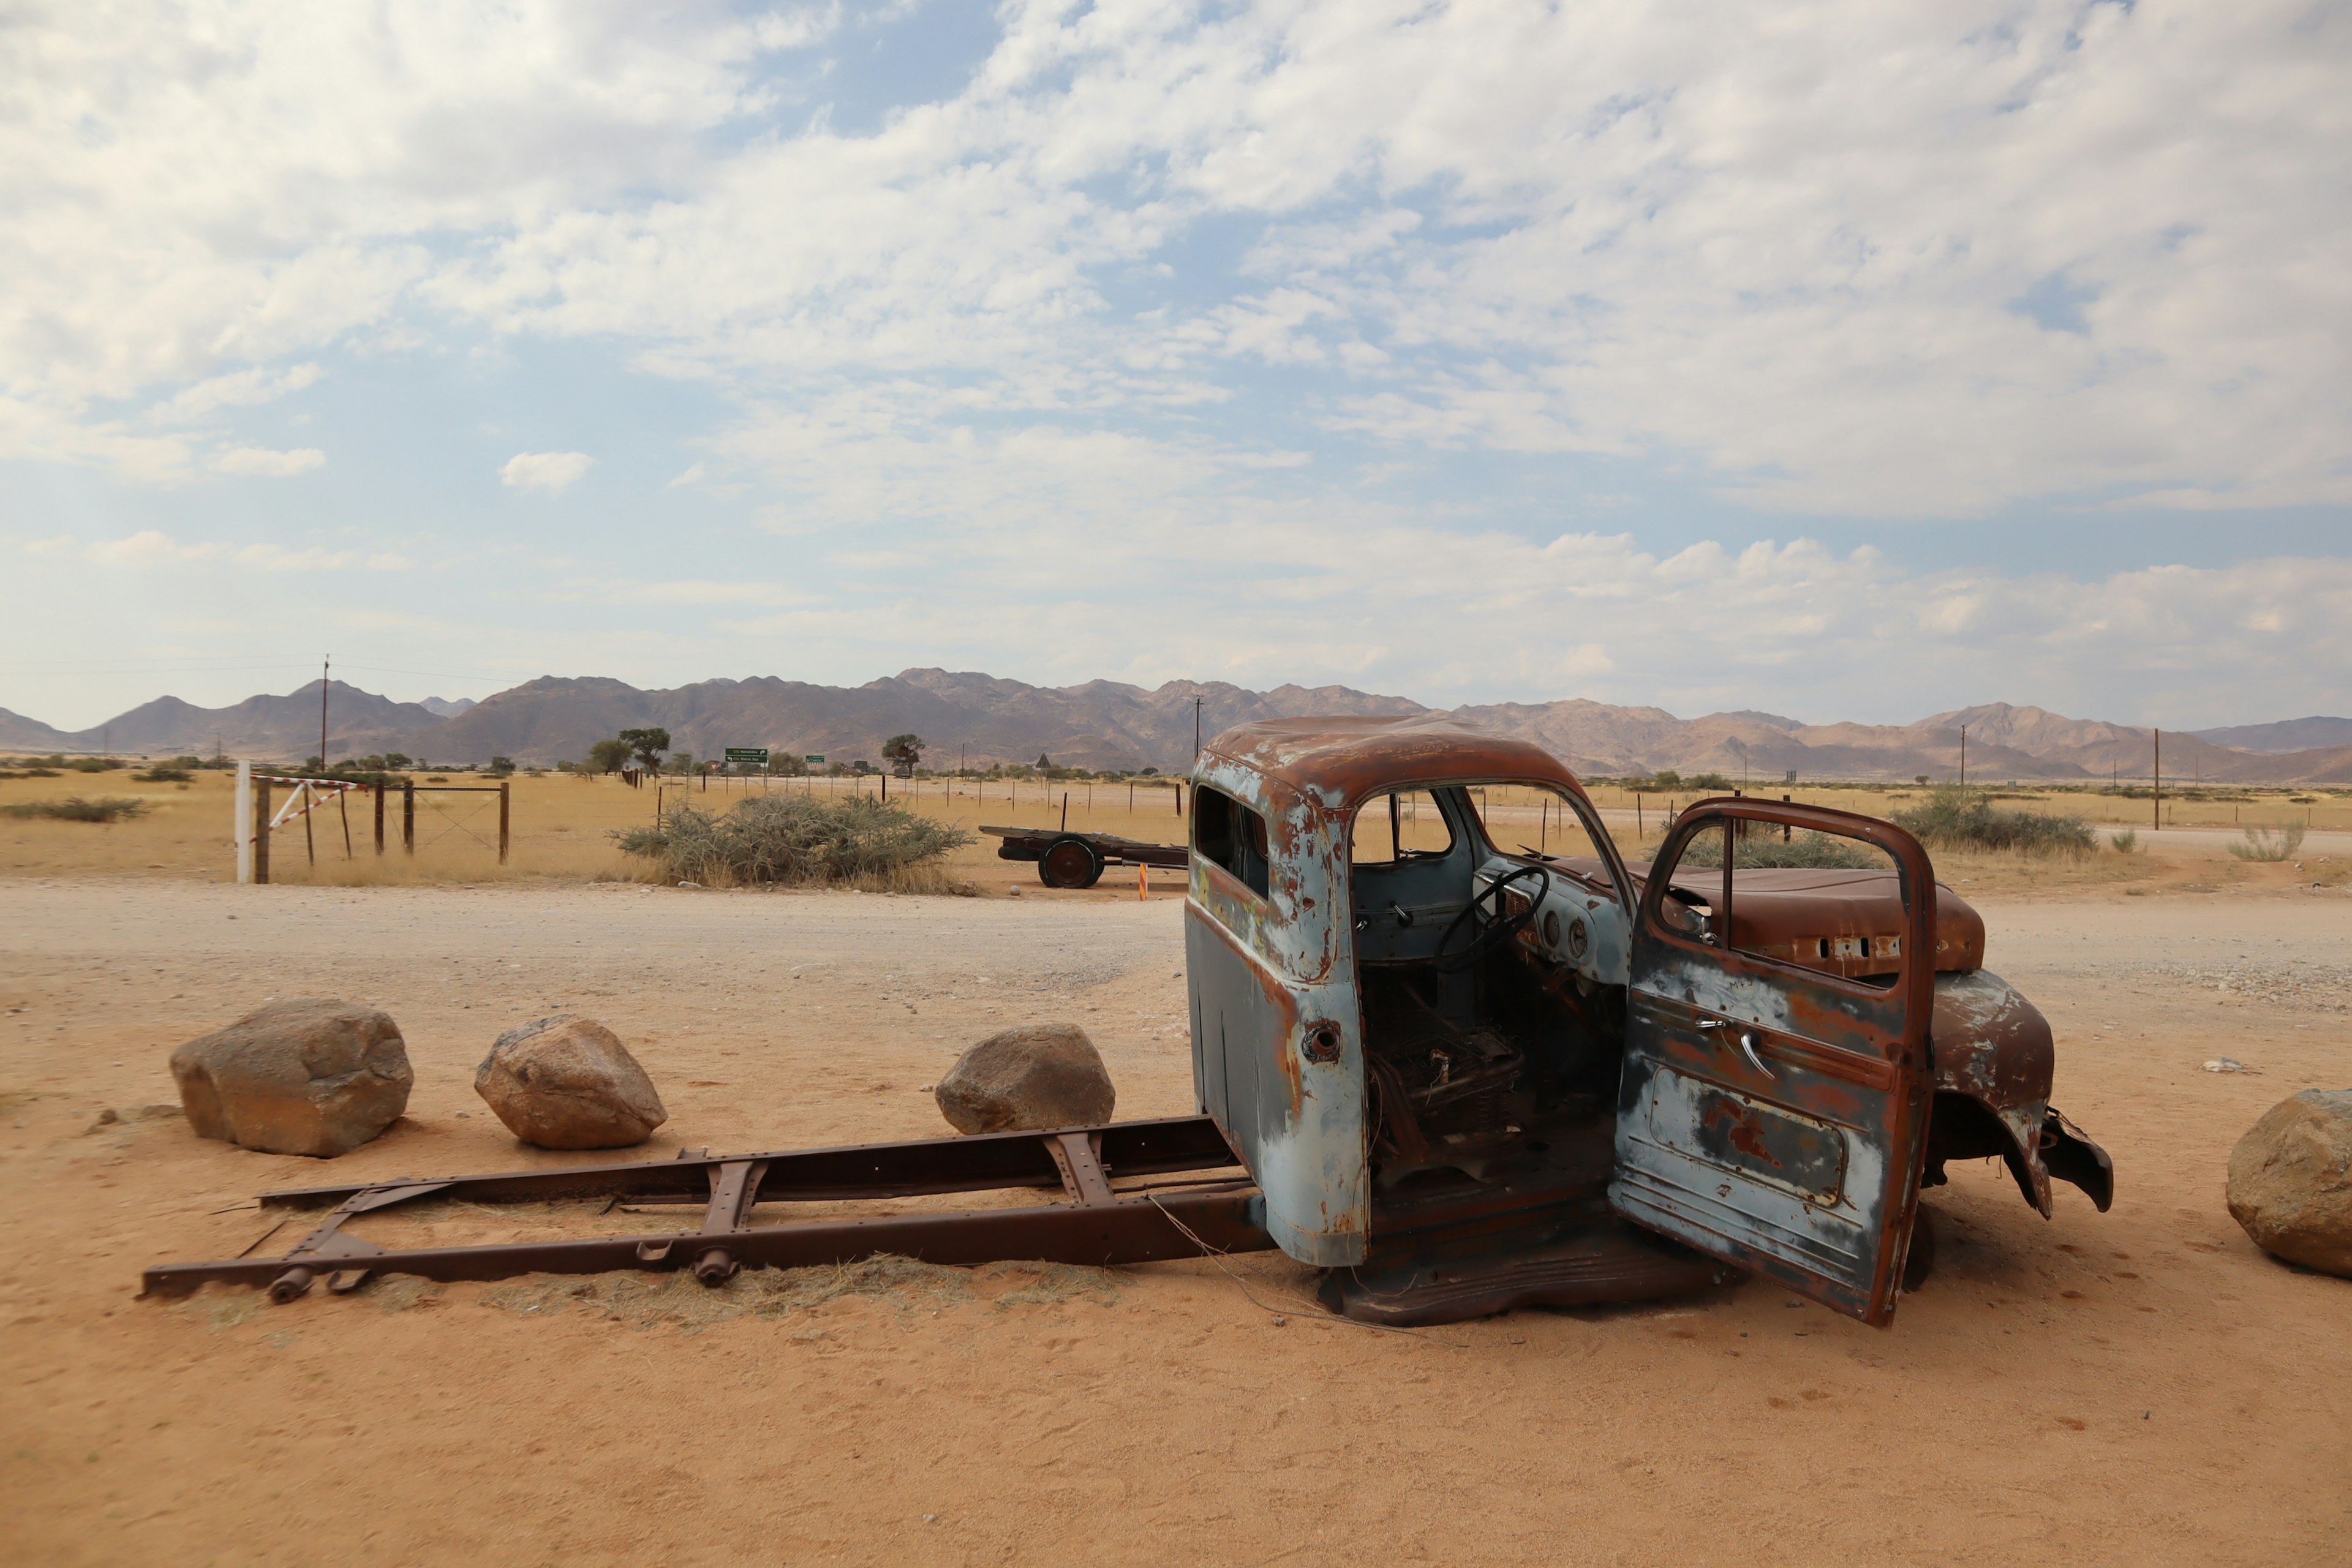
[{"x": 2137, "y": 1387}]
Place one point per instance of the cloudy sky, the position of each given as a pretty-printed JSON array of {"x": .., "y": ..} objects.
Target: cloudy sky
[{"x": 1850, "y": 360}]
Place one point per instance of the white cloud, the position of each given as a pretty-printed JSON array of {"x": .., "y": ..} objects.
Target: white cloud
[
  {"x": 151, "y": 547},
  {"x": 550, "y": 471},
  {"x": 1921, "y": 259},
  {"x": 239, "y": 389},
  {"x": 262, "y": 460}
]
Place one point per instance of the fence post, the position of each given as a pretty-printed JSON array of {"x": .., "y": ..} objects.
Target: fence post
[
  {"x": 378, "y": 793},
  {"x": 261, "y": 833},
  {"x": 408, "y": 816},
  {"x": 244, "y": 820},
  {"x": 503, "y": 787}
]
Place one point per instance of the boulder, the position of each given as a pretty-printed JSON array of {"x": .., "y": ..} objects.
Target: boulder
[
  {"x": 1035, "y": 1076},
  {"x": 566, "y": 1082},
  {"x": 2291, "y": 1181},
  {"x": 310, "y": 1075}
]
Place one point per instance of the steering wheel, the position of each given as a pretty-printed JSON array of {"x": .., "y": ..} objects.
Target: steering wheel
[{"x": 1499, "y": 928}]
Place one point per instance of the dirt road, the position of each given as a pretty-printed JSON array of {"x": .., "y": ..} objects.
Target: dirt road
[{"x": 2137, "y": 1387}]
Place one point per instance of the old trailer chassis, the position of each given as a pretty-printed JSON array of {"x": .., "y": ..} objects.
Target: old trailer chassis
[{"x": 1099, "y": 1222}]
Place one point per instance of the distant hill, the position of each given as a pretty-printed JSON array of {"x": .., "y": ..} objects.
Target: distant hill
[
  {"x": 2287, "y": 735},
  {"x": 22, "y": 734},
  {"x": 267, "y": 726},
  {"x": 1103, "y": 725},
  {"x": 984, "y": 719}
]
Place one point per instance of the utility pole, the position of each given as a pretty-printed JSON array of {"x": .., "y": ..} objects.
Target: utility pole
[
  {"x": 1196, "y": 731},
  {"x": 1964, "y": 756},
  {"x": 324, "y": 666},
  {"x": 2158, "y": 807}
]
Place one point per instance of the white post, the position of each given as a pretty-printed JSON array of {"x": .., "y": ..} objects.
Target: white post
[{"x": 244, "y": 821}]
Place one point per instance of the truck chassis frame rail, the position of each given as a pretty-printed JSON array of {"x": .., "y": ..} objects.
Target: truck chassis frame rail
[{"x": 1099, "y": 1223}]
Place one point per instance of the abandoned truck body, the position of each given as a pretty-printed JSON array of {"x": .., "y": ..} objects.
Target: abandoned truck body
[
  {"x": 1467, "y": 1077},
  {"x": 1461, "y": 1073}
]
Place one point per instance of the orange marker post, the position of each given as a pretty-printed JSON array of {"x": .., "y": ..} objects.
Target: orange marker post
[{"x": 1142, "y": 882}]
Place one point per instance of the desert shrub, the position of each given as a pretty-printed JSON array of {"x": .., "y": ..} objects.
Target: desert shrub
[
  {"x": 73, "y": 809},
  {"x": 2263, "y": 844},
  {"x": 1761, "y": 849},
  {"x": 793, "y": 839},
  {"x": 2126, "y": 842},
  {"x": 1954, "y": 817},
  {"x": 162, "y": 773}
]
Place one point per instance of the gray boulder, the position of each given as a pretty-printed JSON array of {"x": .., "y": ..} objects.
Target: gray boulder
[
  {"x": 566, "y": 1082},
  {"x": 1035, "y": 1076},
  {"x": 2291, "y": 1181},
  {"x": 310, "y": 1075}
]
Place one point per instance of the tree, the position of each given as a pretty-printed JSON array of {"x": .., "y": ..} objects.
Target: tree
[
  {"x": 502, "y": 765},
  {"x": 1665, "y": 778},
  {"x": 609, "y": 756},
  {"x": 646, "y": 746},
  {"x": 902, "y": 753},
  {"x": 397, "y": 759}
]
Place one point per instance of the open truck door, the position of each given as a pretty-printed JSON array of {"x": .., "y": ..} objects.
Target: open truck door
[{"x": 1773, "y": 1116}]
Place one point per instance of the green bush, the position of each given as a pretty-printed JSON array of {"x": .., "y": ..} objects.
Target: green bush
[
  {"x": 793, "y": 839},
  {"x": 1762, "y": 849},
  {"x": 2126, "y": 842},
  {"x": 73, "y": 809},
  {"x": 162, "y": 773},
  {"x": 1955, "y": 818},
  {"x": 2263, "y": 844}
]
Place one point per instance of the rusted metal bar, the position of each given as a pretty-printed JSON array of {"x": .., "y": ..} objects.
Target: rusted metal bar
[
  {"x": 261, "y": 823},
  {"x": 503, "y": 799},
  {"x": 1131, "y": 1230},
  {"x": 1098, "y": 1226},
  {"x": 1082, "y": 1172}
]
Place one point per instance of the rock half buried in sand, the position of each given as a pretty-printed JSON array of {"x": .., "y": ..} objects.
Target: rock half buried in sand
[
  {"x": 1038, "y": 1075},
  {"x": 569, "y": 1083},
  {"x": 2291, "y": 1181},
  {"x": 304, "y": 1076}
]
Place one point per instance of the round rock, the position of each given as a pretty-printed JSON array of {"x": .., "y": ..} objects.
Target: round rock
[
  {"x": 566, "y": 1082},
  {"x": 2291, "y": 1181},
  {"x": 1032, "y": 1077},
  {"x": 310, "y": 1075}
]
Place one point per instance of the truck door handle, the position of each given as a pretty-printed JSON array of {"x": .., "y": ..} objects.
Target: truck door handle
[
  {"x": 1714, "y": 1024},
  {"x": 1748, "y": 1049}
]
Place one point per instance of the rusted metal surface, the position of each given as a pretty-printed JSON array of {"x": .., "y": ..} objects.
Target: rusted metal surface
[
  {"x": 1740, "y": 1073},
  {"x": 1776, "y": 1084},
  {"x": 1099, "y": 1223},
  {"x": 1270, "y": 977}
]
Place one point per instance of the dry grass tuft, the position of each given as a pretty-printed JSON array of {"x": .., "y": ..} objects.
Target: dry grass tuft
[
  {"x": 224, "y": 1307},
  {"x": 399, "y": 1292},
  {"x": 2266, "y": 845},
  {"x": 1054, "y": 1283}
]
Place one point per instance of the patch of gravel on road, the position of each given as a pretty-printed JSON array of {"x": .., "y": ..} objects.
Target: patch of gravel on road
[{"x": 2317, "y": 987}]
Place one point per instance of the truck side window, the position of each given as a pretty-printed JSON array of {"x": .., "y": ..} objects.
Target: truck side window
[
  {"x": 1232, "y": 836},
  {"x": 1402, "y": 825}
]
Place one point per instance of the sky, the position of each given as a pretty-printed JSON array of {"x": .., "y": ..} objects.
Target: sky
[{"x": 1843, "y": 360}]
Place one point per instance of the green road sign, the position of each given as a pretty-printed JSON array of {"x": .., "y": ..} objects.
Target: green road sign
[
  {"x": 815, "y": 760},
  {"x": 747, "y": 756}
]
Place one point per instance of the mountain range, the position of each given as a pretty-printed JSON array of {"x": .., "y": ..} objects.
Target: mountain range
[{"x": 982, "y": 718}]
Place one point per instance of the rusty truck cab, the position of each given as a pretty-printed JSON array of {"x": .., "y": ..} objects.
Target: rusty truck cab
[{"x": 1468, "y": 1072}]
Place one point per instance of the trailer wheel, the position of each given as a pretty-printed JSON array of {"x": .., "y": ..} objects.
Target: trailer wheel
[{"x": 1070, "y": 862}]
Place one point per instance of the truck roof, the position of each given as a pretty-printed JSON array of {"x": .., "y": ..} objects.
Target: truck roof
[{"x": 1340, "y": 761}]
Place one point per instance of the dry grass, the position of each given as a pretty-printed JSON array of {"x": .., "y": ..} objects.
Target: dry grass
[{"x": 561, "y": 826}]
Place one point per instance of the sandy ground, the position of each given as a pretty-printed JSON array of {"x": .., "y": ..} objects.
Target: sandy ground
[{"x": 2142, "y": 1386}]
